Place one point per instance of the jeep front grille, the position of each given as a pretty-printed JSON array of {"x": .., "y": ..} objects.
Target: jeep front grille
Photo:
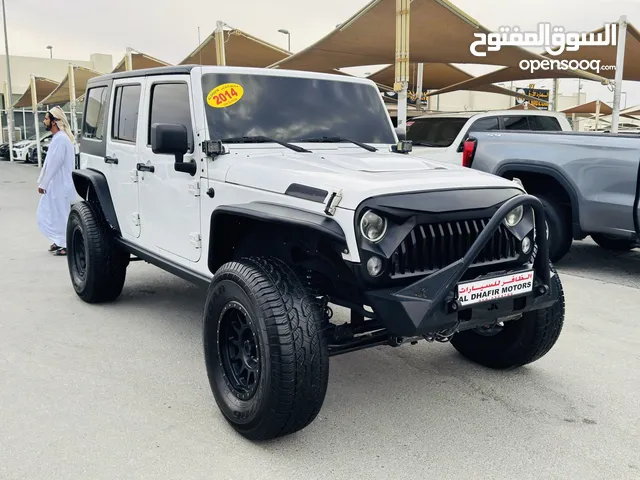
[{"x": 431, "y": 247}]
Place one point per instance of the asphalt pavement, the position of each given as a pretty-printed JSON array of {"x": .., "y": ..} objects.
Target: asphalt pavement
[{"x": 120, "y": 390}]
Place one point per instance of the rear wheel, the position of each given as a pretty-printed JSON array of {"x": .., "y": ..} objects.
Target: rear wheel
[
  {"x": 613, "y": 243},
  {"x": 266, "y": 356},
  {"x": 97, "y": 266},
  {"x": 517, "y": 342},
  {"x": 559, "y": 228}
]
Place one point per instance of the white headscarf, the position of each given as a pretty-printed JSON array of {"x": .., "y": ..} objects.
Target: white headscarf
[{"x": 63, "y": 124}]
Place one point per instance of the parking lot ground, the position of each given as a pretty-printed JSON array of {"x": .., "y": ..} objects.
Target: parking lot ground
[{"x": 120, "y": 390}]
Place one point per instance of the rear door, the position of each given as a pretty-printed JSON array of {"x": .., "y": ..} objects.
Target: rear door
[{"x": 122, "y": 154}]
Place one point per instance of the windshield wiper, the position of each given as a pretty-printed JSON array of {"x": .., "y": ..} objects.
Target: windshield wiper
[
  {"x": 425, "y": 144},
  {"x": 263, "y": 139},
  {"x": 339, "y": 139}
]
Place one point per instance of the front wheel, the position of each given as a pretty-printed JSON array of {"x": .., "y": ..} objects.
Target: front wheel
[
  {"x": 266, "y": 356},
  {"x": 516, "y": 342}
]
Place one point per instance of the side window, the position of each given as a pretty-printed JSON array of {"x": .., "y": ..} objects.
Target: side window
[
  {"x": 96, "y": 103},
  {"x": 546, "y": 124},
  {"x": 125, "y": 113},
  {"x": 170, "y": 104},
  {"x": 489, "y": 123},
  {"x": 516, "y": 123}
]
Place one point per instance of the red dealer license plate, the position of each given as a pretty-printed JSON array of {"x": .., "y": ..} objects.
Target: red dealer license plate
[{"x": 494, "y": 288}]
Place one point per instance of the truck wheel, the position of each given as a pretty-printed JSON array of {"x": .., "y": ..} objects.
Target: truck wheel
[
  {"x": 560, "y": 238},
  {"x": 266, "y": 356},
  {"x": 516, "y": 342},
  {"x": 612, "y": 243},
  {"x": 97, "y": 266}
]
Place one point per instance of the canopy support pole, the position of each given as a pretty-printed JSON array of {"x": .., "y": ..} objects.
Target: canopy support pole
[
  {"x": 556, "y": 94},
  {"x": 128, "y": 62},
  {"x": 34, "y": 106},
  {"x": 220, "y": 50},
  {"x": 9, "y": 109},
  {"x": 72, "y": 99},
  {"x": 622, "y": 36},
  {"x": 419, "y": 87},
  {"x": 597, "y": 115},
  {"x": 401, "y": 84}
]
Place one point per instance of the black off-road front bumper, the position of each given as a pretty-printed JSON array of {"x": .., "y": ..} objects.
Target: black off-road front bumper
[{"x": 434, "y": 303}]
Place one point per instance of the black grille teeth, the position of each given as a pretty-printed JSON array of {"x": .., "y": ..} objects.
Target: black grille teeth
[{"x": 429, "y": 248}]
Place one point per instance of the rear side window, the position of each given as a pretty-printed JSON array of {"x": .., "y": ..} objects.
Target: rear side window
[
  {"x": 96, "y": 103},
  {"x": 435, "y": 132},
  {"x": 170, "y": 104},
  {"x": 125, "y": 113},
  {"x": 489, "y": 123},
  {"x": 546, "y": 124}
]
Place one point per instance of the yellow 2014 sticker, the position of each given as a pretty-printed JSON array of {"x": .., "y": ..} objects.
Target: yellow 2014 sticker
[{"x": 225, "y": 95}]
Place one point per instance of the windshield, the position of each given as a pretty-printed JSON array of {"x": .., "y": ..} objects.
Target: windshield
[
  {"x": 291, "y": 109},
  {"x": 435, "y": 132}
]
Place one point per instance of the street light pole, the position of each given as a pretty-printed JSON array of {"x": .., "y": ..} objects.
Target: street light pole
[
  {"x": 8, "y": 101},
  {"x": 286, "y": 32}
]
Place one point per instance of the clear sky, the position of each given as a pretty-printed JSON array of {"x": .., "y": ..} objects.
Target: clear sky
[{"x": 169, "y": 29}]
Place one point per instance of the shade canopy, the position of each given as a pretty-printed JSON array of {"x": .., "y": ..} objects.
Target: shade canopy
[
  {"x": 61, "y": 94},
  {"x": 241, "y": 50},
  {"x": 139, "y": 61},
  {"x": 439, "y": 75},
  {"x": 606, "y": 55},
  {"x": 632, "y": 111},
  {"x": 44, "y": 87},
  {"x": 439, "y": 33},
  {"x": 589, "y": 108}
]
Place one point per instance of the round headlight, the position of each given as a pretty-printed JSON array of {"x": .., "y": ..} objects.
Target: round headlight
[
  {"x": 373, "y": 226},
  {"x": 514, "y": 216}
]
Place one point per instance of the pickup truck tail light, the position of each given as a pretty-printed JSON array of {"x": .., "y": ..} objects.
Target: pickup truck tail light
[{"x": 468, "y": 151}]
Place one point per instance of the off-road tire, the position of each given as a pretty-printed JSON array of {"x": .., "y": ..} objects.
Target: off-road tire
[
  {"x": 615, "y": 244},
  {"x": 560, "y": 236},
  {"x": 287, "y": 330},
  {"x": 520, "y": 341},
  {"x": 97, "y": 266}
]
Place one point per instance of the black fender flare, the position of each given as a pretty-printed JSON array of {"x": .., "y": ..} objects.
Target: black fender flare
[
  {"x": 271, "y": 213},
  {"x": 557, "y": 175},
  {"x": 88, "y": 180}
]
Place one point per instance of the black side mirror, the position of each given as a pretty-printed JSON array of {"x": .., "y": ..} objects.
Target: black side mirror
[{"x": 172, "y": 139}]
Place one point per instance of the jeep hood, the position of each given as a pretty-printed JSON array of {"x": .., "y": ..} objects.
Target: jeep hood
[{"x": 358, "y": 173}]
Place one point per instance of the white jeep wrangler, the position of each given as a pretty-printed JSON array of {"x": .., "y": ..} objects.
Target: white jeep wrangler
[{"x": 287, "y": 192}]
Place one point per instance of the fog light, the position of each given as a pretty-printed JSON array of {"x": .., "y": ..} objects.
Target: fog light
[
  {"x": 526, "y": 245},
  {"x": 374, "y": 266}
]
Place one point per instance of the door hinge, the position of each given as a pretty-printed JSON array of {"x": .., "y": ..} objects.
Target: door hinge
[
  {"x": 134, "y": 176},
  {"x": 195, "y": 239},
  {"x": 194, "y": 189},
  {"x": 135, "y": 218}
]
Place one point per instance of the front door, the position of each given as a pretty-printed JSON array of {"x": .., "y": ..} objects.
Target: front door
[
  {"x": 122, "y": 153},
  {"x": 170, "y": 200}
]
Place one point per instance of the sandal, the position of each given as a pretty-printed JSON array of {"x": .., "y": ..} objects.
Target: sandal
[
  {"x": 53, "y": 247},
  {"x": 60, "y": 252}
]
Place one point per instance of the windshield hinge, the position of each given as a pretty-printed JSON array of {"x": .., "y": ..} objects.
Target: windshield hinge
[
  {"x": 135, "y": 218},
  {"x": 195, "y": 239},
  {"x": 333, "y": 203},
  {"x": 213, "y": 149}
]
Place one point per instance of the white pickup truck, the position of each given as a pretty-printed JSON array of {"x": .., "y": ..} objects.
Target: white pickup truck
[{"x": 440, "y": 136}]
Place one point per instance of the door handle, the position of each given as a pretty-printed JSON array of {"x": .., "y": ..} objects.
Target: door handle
[
  {"x": 111, "y": 160},
  {"x": 141, "y": 167}
]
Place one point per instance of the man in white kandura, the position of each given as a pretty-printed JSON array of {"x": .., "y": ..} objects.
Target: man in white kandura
[{"x": 55, "y": 183}]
